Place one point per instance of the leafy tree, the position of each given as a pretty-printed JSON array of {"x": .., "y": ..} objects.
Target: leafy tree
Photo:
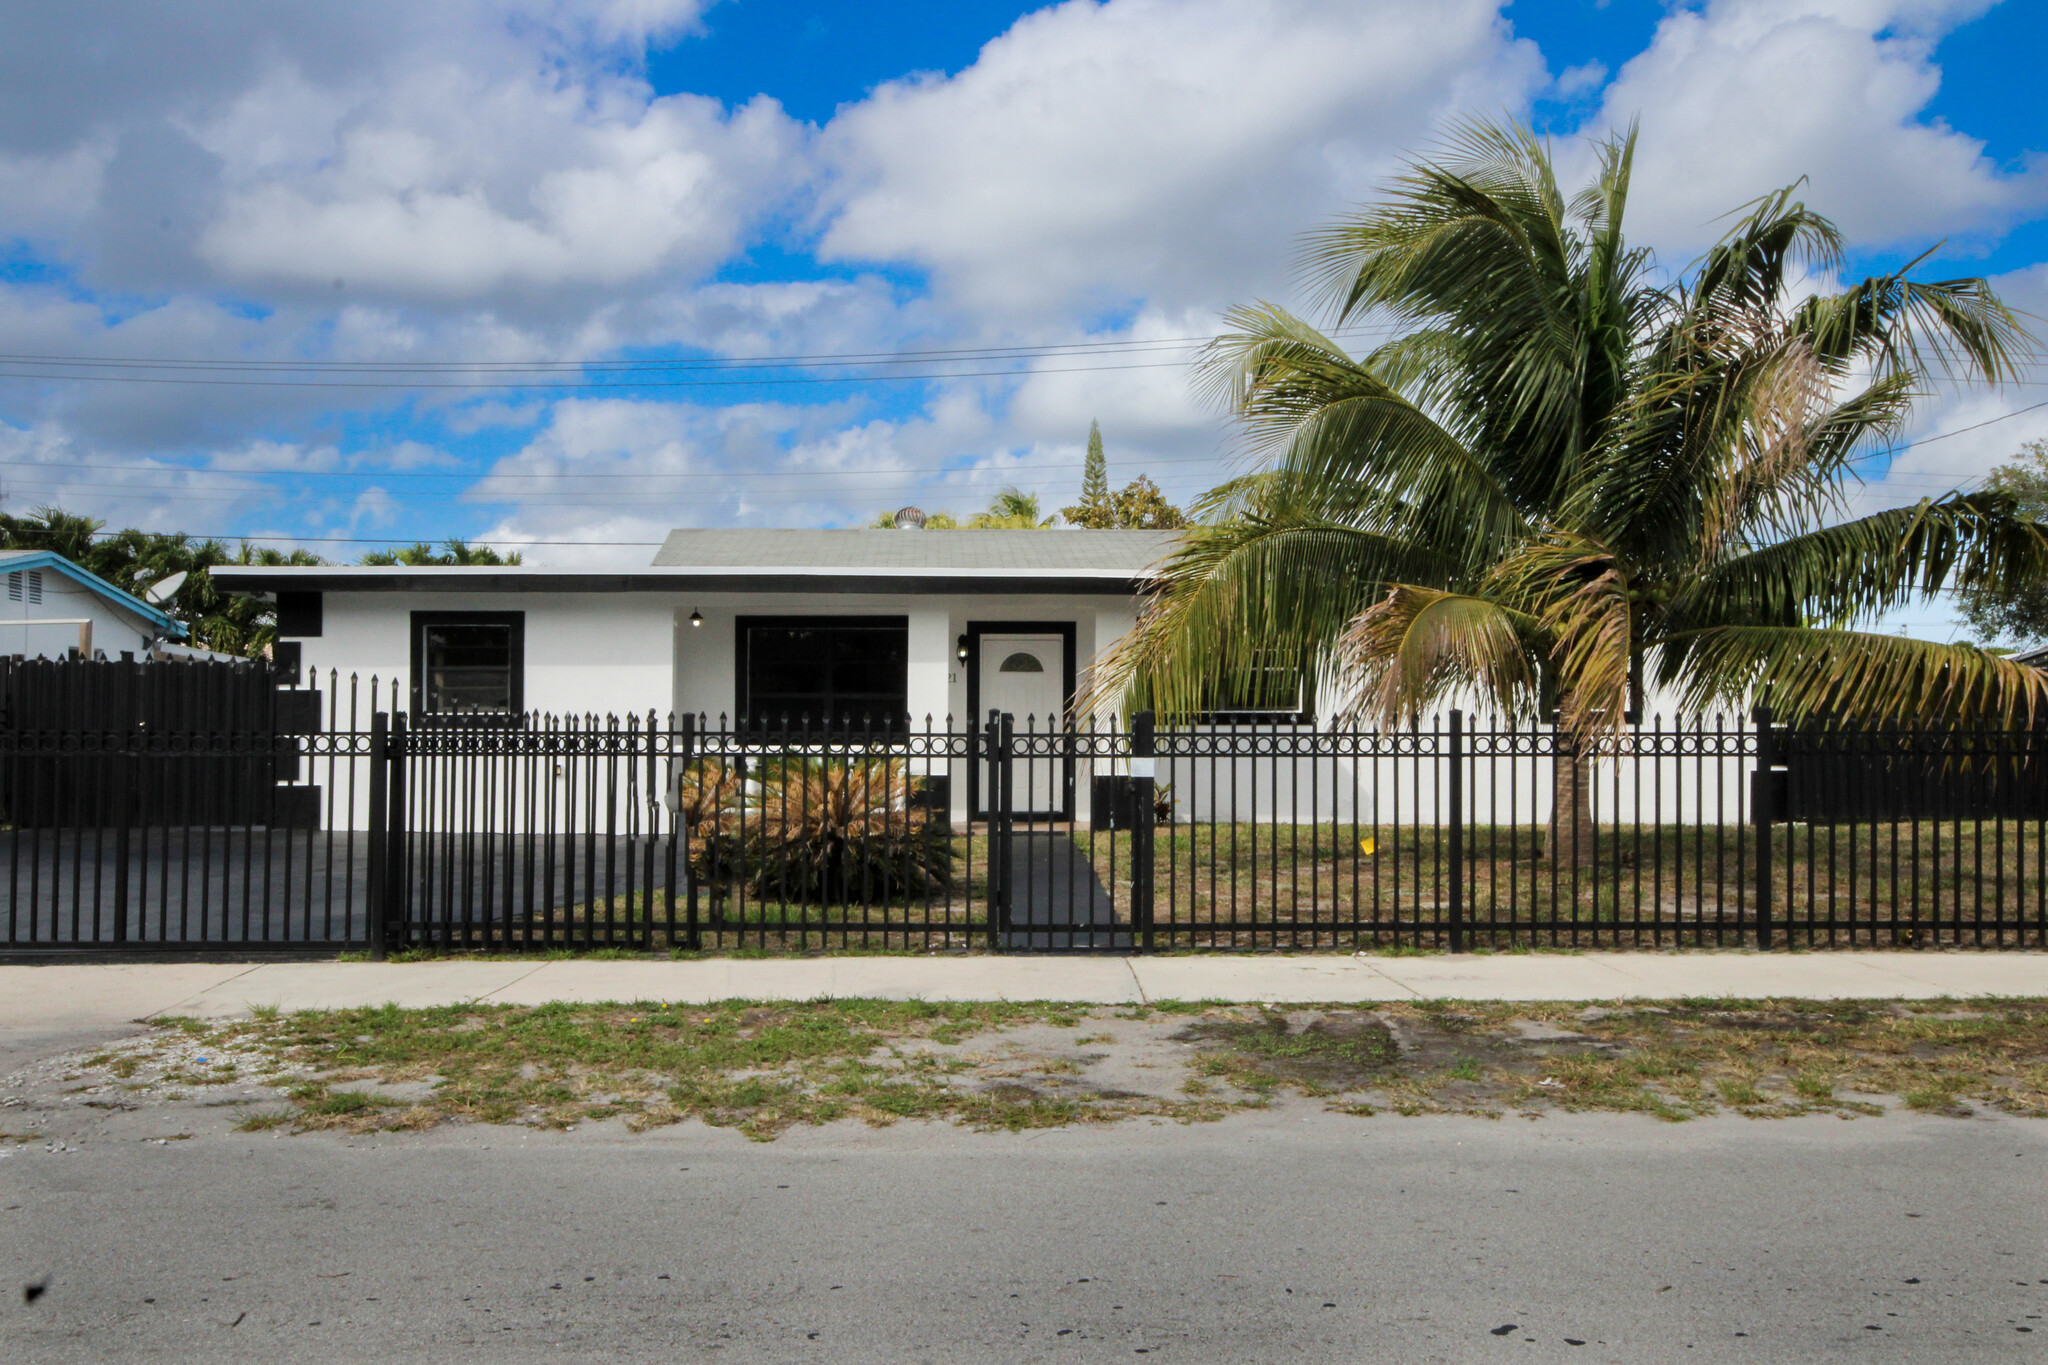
[
  {"x": 1140, "y": 506},
  {"x": 132, "y": 560},
  {"x": 451, "y": 553},
  {"x": 1560, "y": 470},
  {"x": 2018, "y": 614},
  {"x": 1096, "y": 510}
]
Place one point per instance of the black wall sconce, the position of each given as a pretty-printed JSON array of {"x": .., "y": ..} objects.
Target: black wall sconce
[
  {"x": 696, "y": 618},
  {"x": 960, "y": 650}
]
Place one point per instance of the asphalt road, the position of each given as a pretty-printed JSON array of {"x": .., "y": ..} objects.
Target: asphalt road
[{"x": 1291, "y": 1235}]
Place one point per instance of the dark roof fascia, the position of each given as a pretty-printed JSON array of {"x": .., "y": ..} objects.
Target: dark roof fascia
[{"x": 260, "y": 581}]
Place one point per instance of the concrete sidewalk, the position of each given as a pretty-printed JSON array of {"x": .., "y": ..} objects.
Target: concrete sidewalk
[{"x": 71, "y": 998}]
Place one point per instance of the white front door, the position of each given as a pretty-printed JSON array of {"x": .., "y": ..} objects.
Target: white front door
[{"x": 1025, "y": 676}]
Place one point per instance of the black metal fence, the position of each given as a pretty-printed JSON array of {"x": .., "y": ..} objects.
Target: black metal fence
[{"x": 635, "y": 832}]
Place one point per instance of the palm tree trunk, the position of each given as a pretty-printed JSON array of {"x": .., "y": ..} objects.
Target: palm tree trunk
[{"x": 1572, "y": 837}]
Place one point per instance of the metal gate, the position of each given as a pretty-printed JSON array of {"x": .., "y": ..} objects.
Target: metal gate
[{"x": 179, "y": 806}]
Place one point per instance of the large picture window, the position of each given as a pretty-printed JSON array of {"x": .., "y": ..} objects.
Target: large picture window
[
  {"x": 826, "y": 672},
  {"x": 468, "y": 664}
]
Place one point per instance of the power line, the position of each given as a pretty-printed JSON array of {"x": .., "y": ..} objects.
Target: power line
[
  {"x": 827, "y": 495},
  {"x": 740, "y": 476},
  {"x": 635, "y": 384},
  {"x": 1020, "y": 350},
  {"x": 391, "y": 540},
  {"x": 569, "y": 474}
]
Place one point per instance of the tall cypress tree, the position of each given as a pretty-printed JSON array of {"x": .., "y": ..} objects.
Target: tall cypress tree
[
  {"x": 1095, "y": 474},
  {"x": 1096, "y": 510}
]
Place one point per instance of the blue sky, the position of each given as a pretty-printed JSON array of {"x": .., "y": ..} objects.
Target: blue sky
[{"x": 565, "y": 273}]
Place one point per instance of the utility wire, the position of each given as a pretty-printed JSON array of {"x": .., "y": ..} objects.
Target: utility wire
[
  {"x": 966, "y": 353},
  {"x": 551, "y": 384},
  {"x": 741, "y": 476}
]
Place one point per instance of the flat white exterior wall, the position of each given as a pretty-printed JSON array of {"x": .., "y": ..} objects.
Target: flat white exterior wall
[
  {"x": 618, "y": 653},
  {"x": 586, "y": 653},
  {"x": 113, "y": 630},
  {"x": 706, "y": 656},
  {"x": 706, "y": 663}
]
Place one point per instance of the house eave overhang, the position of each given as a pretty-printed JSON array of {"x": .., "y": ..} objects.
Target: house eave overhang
[{"x": 266, "y": 581}]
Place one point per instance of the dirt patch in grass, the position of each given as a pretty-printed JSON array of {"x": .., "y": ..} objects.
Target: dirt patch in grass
[
  {"x": 1317, "y": 1052},
  {"x": 1676, "y": 1060},
  {"x": 762, "y": 1068},
  {"x": 758, "y": 1068}
]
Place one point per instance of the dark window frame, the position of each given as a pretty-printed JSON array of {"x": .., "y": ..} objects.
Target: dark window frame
[
  {"x": 300, "y": 615},
  {"x": 421, "y": 620},
  {"x": 1302, "y": 713},
  {"x": 743, "y": 720}
]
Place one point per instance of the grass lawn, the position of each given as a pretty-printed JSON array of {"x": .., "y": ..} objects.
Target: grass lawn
[
  {"x": 1345, "y": 886},
  {"x": 762, "y": 1068}
]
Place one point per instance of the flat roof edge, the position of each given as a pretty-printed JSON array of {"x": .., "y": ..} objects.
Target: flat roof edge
[{"x": 833, "y": 581}]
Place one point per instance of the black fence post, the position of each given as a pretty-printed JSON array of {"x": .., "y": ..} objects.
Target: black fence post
[
  {"x": 1001, "y": 732},
  {"x": 398, "y": 846},
  {"x": 1144, "y": 785},
  {"x": 380, "y": 819},
  {"x": 692, "y": 933},
  {"x": 123, "y": 797},
  {"x": 1763, "y": 808},
  {"x": 1456, "y": 840}
]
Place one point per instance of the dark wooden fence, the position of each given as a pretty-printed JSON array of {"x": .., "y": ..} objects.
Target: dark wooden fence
[{"x": 113, "y": 774}]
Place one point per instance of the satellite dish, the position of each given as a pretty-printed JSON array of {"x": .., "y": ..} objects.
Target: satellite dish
[{"x": 164, "y": 589}]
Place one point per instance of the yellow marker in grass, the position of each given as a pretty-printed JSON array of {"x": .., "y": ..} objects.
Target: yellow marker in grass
[{"x": 1368, "y": 847}]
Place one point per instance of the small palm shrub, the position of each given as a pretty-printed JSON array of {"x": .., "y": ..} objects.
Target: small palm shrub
[
  {"x": 822, "y": 830},
  {"x": 708, "y": 798}
]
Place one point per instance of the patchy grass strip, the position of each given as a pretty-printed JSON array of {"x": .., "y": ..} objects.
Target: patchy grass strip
[{"x": 761, "y": 1068}]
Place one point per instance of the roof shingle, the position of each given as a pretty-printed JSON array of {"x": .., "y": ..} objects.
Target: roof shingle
[{"x": 1127, "y": 551}]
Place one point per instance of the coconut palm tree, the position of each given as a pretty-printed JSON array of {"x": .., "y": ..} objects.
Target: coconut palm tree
[
  {"x": 1560, "y": 470},
  {"x": 450, "y": 553},
  {"x": 1012, "y": 509}
]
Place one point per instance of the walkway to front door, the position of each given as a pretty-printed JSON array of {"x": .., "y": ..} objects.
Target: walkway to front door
[{"x": 1056, "y": 899}]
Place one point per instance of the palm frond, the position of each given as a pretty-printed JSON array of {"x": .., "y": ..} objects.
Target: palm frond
[
  {"x": 1333, "y": 423},
  {"x": 1419, "y": 643},
  {"x": 1873, "y": 564},
  {"x": 1805, "y": 673},
  {"x": 1239, "y": 596}
]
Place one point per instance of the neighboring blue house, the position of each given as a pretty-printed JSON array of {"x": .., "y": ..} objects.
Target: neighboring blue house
[{"x": 51, "y": 607}]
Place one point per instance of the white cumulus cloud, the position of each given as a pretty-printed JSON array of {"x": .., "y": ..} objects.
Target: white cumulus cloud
[
  {"x": 1739, "y": 97},
  {"x": 1099, "y": 154}
]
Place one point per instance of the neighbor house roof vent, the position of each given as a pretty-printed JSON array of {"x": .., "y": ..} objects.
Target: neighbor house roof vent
[{"x": 909, "y": 519}]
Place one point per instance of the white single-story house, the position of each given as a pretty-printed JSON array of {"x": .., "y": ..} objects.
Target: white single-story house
[
  {"x": 840, "y": 628},
  {"x": 739, "y": 627},
  {"x": 52, "y": 607},
  {"x": 751, "y": 625}
]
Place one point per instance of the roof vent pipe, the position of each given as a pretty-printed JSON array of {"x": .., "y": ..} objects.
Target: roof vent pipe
[{"x": 909, "y": 519}]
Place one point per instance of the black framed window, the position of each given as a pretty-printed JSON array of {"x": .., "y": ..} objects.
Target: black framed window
[
  {"x": 1269, "y": 693},
  {"x": 468, "y": 663},
  {"x": 845, "y": 672}
]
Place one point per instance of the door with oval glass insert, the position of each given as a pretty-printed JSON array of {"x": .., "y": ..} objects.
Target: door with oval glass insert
[{"x": 1023, "y": 675}]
